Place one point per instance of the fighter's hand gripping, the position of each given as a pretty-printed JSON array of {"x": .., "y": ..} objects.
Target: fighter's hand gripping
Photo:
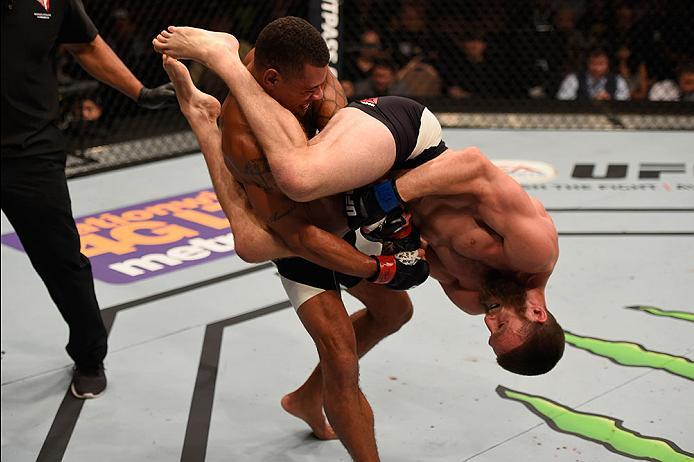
[
  {"x": 401, "y": 271},
  {"x": 369, "y": 204},
  {"x": 396, "y": 232}
]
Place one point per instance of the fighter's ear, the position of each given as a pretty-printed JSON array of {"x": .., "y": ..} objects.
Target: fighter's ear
[
  {"x": 536, "y": 313},
  {"x": 271, "y": 77}
]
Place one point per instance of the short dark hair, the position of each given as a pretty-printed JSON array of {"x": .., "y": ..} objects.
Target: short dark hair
[
  {"x": 598, "y": 51},
  {"x": 542, "y": 349},
  {"x": 386, "y": 62},
  {"x": 288, "y": 44}
]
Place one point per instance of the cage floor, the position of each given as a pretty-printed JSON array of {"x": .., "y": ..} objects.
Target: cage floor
[{"x": 202, "y": 351}]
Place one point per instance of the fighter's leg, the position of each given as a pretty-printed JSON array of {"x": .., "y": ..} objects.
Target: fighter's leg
[
  {"x": 384, "y": 313},
  {"x": 326, "y": 320},
  {"x": 451, "y": 173},
  {"x": 353, "y": 150},
  {"x": 253, "y": 241}
]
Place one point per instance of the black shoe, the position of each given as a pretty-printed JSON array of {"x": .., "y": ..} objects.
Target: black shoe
[{"x": 88, "y": 382}]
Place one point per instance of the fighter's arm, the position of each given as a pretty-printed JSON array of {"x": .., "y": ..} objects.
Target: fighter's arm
[
  {"x": 287, "y": 219},
  {"x": 333, "y": 100},
  {"x": 253, "y": 241},
  {"x": 466, "y": 300},
  {"x": 97, "y": 58},
  {"x": 529, "y": 238}
]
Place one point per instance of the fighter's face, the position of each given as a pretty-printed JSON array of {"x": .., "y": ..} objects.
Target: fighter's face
[
  {"x": 504, "y": 300},
  {"x": 296, "y": 93},
  {"x": 506, "y": 328},
  {"x": 598, "y": 66}
]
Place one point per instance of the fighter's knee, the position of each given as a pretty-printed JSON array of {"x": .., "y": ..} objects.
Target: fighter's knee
[
  {"x": 340, "y": 364},
  {"x": 396, "y": 313},
  {"x": 399, "y": 319},
  {"x": 295, "y": 186},
  {"x": 473, "y": 154}
]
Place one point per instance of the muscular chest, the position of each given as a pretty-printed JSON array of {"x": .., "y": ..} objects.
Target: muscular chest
[
  {"x": 454, "y": 225},
  {"x": 449, "y": 266}
]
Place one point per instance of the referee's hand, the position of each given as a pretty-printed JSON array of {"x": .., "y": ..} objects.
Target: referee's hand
[{"x": 158, "y": 97}]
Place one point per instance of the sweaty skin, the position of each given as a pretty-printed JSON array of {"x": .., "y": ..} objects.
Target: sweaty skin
[
  {"x": 308, "y": 229},
  {"x": 500, "y": 225},
  {"x": 483, "y": 220},
  {"x": 340, "y": 339}
]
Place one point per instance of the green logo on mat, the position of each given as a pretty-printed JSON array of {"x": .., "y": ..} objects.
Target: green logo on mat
[
  {"x": 603, "y": 430},
  {"x": 660, "y": 312},
  {"x": 633, "y": 354}
]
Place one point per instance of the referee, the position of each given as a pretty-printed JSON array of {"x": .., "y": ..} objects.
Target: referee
[{"x": 35, "y": 195}]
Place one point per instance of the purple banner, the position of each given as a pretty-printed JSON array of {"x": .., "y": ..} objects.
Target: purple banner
[{"x": 144, "y": 240}]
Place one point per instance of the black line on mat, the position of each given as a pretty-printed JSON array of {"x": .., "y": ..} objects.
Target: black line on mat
[
  {"x": 59, "y": 434},
  {"x": 200, "y": 415},
  {"x": 56, "y": 441},
  {"x": 183, "y": 289}
]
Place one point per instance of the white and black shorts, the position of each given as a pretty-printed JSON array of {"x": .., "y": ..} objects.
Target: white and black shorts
[
  {"x": 416, "y": 130},
  {"x": 303, "y": 280}
]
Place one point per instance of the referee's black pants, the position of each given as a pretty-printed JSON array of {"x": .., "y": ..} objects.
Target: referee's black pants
[{"x": 36, "y": 201}]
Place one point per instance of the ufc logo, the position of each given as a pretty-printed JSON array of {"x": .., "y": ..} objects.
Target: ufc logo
[{"x": 647, "y": 171}]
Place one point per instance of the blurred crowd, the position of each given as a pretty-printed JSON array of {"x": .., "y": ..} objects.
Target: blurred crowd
[
  {"x": 500, "y": 49},
  {"x": 457, "y": 49}
]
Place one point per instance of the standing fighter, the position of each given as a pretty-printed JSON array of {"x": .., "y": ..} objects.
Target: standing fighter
[
  {"x": 35, "y": 194},
  {"x": 492, "y": 247},
  {"x": 290, "y": 62}
]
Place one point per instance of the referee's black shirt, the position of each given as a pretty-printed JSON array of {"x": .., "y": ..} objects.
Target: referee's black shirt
[{"x": 31, "y": 31}]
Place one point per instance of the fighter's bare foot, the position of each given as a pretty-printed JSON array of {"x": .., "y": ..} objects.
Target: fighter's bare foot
[
  {"x": 200, "y": 45},
  {"x": 199, "y": 108},
  {"x": 312, "y": 415}
]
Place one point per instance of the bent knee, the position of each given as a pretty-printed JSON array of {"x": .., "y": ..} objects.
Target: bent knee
[
  {"x": 394, "y": 313},
  {"x": 341, "y": 364},
  {"x": 295, "y": 183}
]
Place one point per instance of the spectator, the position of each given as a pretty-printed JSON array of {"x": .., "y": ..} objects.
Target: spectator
[
  {"x": 418, "y": 79},
  {"x": 633, "y": 70},
  {"x": 359, "y": 65},
  {"x": 596, "y": 82},
  {"x": 382, "y": 81},
  {"x": 669, "y": 90},
  {"x": 470, "y": 74},
  {"x": 597, "y": 21},
  {"x": 574, "y": 43},
  {"x": 411, "y": 35}
]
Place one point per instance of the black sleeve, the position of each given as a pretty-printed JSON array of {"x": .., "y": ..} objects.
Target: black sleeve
[{"x": 77, "y": 27}]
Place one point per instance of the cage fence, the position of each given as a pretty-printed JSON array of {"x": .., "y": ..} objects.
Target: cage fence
[{"x": 519, "y": 64}]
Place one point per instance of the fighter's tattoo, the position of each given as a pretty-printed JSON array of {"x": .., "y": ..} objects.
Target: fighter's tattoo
[
  {"x": 257, "y": 171},
  {"x": 333, "y": 100},
  {"x": 277, "y": 216}
]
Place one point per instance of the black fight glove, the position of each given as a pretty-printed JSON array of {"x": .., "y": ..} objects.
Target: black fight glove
[
  {"x": 401, "y": 271},
  {"x": 369, "y": 204},
  {"x": 396, "y": 232},
  {"x": 158, "y": 97}
]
